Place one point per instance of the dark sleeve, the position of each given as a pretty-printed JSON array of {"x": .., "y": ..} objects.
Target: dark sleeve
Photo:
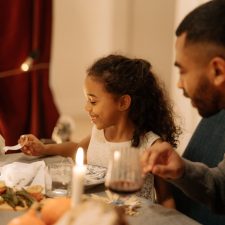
[{"x": 203, "y": 184}]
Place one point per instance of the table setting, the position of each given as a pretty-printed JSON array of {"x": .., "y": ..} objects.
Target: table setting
[{"x": 84, "y": 191}]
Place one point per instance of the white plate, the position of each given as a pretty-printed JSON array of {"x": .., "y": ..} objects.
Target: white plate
[{"x": 95, "y": 175}]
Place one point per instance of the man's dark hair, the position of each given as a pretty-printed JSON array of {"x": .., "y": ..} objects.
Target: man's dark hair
[{"x": 205, "y": 24}]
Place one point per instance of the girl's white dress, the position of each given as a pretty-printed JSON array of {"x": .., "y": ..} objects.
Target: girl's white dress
[{"x": 99, "y": 153}]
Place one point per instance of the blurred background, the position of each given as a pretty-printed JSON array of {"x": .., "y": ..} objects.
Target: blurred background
[{"x": 63, "y": 38}]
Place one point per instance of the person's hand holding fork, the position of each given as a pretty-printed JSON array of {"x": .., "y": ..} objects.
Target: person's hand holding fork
[{"x": 31, "y": 145}]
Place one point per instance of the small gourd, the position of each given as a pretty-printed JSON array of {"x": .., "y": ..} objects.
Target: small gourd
[
  {"x": 53, "y": 209},
  {"x": 28, "y": 218}
]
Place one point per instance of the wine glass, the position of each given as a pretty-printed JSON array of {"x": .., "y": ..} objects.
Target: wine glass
[{"x": 124, "y": 171}]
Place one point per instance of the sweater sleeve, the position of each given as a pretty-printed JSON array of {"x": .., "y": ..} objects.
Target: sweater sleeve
[{"x": 203, "y": 184}]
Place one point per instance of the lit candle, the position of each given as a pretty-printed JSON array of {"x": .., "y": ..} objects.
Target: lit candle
[{"x": 78, "y": 177}]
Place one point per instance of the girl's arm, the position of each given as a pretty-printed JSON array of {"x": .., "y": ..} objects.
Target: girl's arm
[
  {"x": 33, "y": 146},
  {"x": 68, "y": 149}
]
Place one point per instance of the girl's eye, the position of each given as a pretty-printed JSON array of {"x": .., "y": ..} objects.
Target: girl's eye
[{"x": 92, "y": 102}]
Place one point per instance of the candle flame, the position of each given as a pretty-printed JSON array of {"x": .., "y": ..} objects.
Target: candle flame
[
  {"x": 117, "y": 155},
  {"x": 80, "y": 157}
]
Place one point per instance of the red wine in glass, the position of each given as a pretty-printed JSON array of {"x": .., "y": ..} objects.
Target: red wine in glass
[
  {"x": 124, "y": 171},
  {"x": 124, "y": 187}
]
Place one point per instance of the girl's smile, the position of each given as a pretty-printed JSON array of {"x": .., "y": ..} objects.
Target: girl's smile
[
  {"x": 101, "y": 105},
  {"x": 93, "y": 118}
]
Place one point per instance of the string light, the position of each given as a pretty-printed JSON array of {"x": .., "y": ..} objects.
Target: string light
[
  {"x": 26, "y": 66},
  {"x": 17, "y": 71},
  {"x": 28, "y": 63}
]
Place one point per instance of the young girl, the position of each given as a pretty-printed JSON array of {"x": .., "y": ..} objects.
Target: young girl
[{"x": 128, "y": 108}]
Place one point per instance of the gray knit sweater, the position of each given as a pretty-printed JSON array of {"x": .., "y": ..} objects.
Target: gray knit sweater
[{"x": 203, "y": 184}]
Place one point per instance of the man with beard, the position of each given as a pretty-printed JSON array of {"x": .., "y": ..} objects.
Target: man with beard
[{"x": 200, "y": 58}]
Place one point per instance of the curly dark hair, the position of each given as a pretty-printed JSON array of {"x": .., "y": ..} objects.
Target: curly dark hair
[{"x": 149, "y": 110}]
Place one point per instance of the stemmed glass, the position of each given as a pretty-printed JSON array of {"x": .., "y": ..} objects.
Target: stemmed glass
[{"x": 124, "y": 171}]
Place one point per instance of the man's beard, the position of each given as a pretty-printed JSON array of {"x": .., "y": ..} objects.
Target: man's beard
[{"x": 205, "y": 99}]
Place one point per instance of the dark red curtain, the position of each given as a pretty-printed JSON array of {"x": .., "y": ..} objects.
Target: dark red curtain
[{"x": 26, "y": 101}]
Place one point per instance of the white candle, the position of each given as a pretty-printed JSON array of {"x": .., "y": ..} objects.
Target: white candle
[{"x": 78, "y": 177}]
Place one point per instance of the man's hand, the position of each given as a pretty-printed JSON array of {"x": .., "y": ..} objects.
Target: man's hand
[{"x": 162, "y": 160}]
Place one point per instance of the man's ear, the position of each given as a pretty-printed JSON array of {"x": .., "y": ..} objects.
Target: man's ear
[
  {"x": 218, "y": 66},
  {"x": 124, "y": 102}
]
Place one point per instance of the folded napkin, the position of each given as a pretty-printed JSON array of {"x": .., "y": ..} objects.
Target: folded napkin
[{"x": 19, "y": 175}]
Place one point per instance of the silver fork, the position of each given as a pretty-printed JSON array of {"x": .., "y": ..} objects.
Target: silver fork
[{"x": 13, "y": 148}]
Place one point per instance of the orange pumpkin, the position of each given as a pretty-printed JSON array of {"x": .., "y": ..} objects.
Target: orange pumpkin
[
  {"x": 53, "y": 209},
  {"x": 28, "y": 218}
]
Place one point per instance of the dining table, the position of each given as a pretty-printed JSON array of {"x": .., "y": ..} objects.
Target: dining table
[{"x": 149, "y": 213}]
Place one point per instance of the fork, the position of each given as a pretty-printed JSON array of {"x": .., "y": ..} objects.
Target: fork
[{"x": 13, "y": 148}]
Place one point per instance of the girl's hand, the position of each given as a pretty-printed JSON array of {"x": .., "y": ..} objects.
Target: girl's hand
[{"x": 31, "y": 145}]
